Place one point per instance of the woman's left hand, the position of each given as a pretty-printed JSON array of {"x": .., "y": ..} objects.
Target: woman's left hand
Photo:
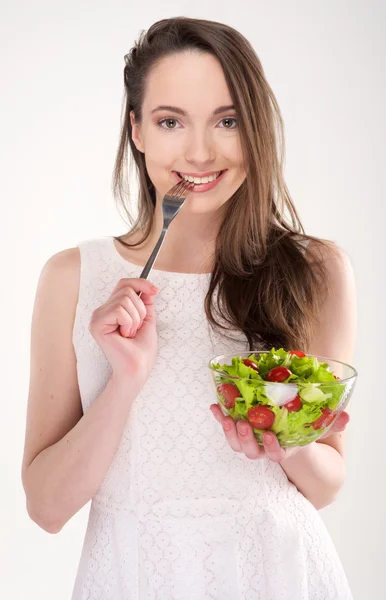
[{"x": 241, "y": 439}]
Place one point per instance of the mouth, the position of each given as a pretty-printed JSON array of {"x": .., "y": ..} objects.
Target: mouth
[{"x": 204, "y": 183}]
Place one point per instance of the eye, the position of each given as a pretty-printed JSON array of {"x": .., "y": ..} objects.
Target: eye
[
  {"x": 168, "y": 123},
  {"x": 228, "y": 122}
]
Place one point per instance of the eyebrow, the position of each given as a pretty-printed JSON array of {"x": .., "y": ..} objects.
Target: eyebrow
[{"x": 180, "y": 111}]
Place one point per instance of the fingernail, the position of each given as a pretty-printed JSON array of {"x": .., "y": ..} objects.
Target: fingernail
[
  {"x": 227, "y": 427},
  {"x": 243, "y": 430},
  {"x": 268, "y": 439},
  {"x": 154, "y": 288}
]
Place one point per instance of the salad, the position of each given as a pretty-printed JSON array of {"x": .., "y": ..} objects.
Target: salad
[{"x": 298, "y": 413}]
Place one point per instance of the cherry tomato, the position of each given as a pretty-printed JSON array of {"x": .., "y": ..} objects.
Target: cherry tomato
[
  {"x": 229, "y": 393},
  {"x": 261, "y": 417},
  {"x": 325, "y": 419},
  {"x": 278, "y": 374},
  {"x": 250, "y": 363},
  {"x": 294, "y": 405},
  {"x": 298, "y": 353}
]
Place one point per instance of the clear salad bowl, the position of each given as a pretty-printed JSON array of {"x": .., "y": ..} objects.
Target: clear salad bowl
[{"x": 297, "y": 396}]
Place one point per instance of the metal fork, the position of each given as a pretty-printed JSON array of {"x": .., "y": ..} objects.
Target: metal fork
[{"x": 171, "y": 204}]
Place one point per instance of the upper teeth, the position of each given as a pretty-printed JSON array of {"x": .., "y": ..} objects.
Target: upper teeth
[{"x": 200, "y": 179}]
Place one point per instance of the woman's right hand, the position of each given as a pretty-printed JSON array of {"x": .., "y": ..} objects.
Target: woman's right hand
[{"x": 125, "y": 329}]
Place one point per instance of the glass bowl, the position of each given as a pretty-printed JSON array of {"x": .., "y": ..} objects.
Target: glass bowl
[{"x": 298, "y": 413}]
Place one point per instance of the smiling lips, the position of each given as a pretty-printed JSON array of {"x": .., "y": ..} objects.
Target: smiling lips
[{"x": 205, "y": 178}]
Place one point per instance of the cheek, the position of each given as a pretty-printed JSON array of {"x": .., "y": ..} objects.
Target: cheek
[
  {"x": 238, "y": 154},
  {"x": 230, "y": 149},
  {"x": 162, "y": 151}
]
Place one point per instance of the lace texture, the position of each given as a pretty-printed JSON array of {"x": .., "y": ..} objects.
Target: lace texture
[{"x": 180, "y": 515}]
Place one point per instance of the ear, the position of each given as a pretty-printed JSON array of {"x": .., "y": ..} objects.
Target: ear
[{"x": 136, "y": 133}]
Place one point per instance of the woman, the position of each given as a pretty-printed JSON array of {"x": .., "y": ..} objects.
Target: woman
[{"x": 120, "y": 396}]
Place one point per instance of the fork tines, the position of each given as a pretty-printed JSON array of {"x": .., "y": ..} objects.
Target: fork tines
[{"x": 180, "y": 187}]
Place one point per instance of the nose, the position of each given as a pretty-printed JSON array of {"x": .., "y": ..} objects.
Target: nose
[{"x": 200, "y": 150}]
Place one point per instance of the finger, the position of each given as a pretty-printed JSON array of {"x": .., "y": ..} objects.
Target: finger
[
  {"x": 106, "y": 321},
  {"x": 216, "y": 412},
  {"x": 147, "y": 297},
  {"x": 341, "y": 422},
  {"x": 120, "y": 311},
  {"x": 247, "y": 440},
  {"x": 138, "y": 284},
  {"x": 131, "y": 310},
  {"x": 272, "y": 447},
  {"x": 124, "y": 319},
  {"x": 228, "y": 426},
  {"x": 339, "y": 425},
  {"x": 130, "y": 293}
]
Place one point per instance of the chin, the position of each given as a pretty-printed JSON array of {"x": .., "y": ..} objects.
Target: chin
[{"x": 197, "y": 204}]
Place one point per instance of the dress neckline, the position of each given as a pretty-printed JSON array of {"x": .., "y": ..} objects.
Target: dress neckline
[{"x": 139, "y": 268}]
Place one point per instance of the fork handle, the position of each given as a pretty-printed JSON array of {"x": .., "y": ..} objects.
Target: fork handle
[{"x": 149, "y": 265}]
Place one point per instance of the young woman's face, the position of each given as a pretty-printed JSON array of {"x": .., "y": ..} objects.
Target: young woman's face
[{"x": 189, "y": 128}]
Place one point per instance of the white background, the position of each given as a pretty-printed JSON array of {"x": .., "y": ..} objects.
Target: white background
[{"x": 61, "y": 92}]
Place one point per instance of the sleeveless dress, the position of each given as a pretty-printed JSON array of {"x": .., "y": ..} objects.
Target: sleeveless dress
[{"x": 179, "y": 514}]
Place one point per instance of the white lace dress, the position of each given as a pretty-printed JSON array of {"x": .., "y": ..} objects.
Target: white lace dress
[{"x": 180, "y": 515}]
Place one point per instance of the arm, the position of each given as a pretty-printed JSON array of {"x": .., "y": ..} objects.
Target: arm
[
  {"x": 318, "y": 470},
  {"x": 66, "y": 454}
]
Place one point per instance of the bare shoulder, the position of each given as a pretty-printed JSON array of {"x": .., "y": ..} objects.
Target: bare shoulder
[
  {"x": 59, "y": 279},
  {"x": 58, "y": 285},
  {"x": 330, "y": 253},
  {"x": 64, "y": 263},
  {"x": 336, "y": 262}
]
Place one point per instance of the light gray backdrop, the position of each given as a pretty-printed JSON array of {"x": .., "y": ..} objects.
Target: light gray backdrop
[{"x": 61, "y": 91}]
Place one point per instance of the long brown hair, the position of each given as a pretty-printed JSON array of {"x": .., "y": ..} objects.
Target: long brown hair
[{"x": 265, "y": 285}]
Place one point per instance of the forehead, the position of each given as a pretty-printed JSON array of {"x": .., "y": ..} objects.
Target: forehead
[{"x": 192, "y": 81}]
